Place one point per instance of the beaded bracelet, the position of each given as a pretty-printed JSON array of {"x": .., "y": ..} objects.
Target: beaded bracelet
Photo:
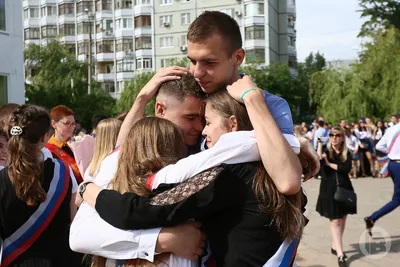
[{"x": 245, "y": 92}]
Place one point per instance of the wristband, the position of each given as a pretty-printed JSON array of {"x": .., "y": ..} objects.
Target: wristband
[{"x": 246, "y": 92}]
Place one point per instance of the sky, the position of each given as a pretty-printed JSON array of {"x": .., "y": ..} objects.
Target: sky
[{"x": 328, "y": 26}]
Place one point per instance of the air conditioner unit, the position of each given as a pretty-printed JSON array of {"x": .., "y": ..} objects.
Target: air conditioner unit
[
  {"x": 166, "y": 24},
  {"x": 238, "y": 13},
  {"x": 183, "y": 48},
  {"x": 108, "y": 33}
]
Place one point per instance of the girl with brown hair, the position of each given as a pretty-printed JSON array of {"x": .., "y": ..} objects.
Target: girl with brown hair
[
  {"x": 37, "y": 196},
  {"x": 248, "y": 222}
]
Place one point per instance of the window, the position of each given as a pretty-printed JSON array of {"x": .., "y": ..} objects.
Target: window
[
  {"x": 83, "y": 48},
  {"x": 292, "y": 62},
  {"x": 166, "y": 41},
  {"x": 2, "y": 15},
  {"x": 49, "y": 11},
  {"x": 142, "y": 2},
  {"x": 183, "y": 40},
  {"x": 31, "y": 13},
  {"x": 31, "y": 33},
  {"x": 185, "y": 18},
  {"x": 67, "y": 29},
  {"x": 229, "y": 11},
  {"x": 66, "y": 9},
  {"x": 124, "y": 4},
  {"x": 254, "y": 9},
  {"x": 142, "y": 21},
  {"x": 125, "y": 44},
  {"x": 103, "y": 5},
  {"x": 291, "y": 41},
  {"x": 3, "y": 89},
  {"x": 105, "y": 25},
  {"x": 70, "y": 48},
  {"x": 143, "y": 42},
  {"x": 124, "y": 23},
  {"x": 165, "y": 62},
  {"x": 291, "y": 21},
  {"x": 165, "y": 21},
  {"x": 291, "y": 2},
  {"x": 105, "y": 46},
  {"x": 125, "y": 65},
  {"x": 49, "y": 31},
  {"x": 255, "y": 55},
  {"x": 144, "y": 63},
  {"x": 255, "y": 32},
  {"x": 166, "y": 2},
  {"x": 86, "y": 4},
  {"x": 83, "y": 27},
  {"x": 108, "y": 87}
]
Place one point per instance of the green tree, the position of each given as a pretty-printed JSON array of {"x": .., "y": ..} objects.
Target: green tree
[
  {"x": 380, "y": 14},
  {"x": 61, "y": 79},
  {"x": 182, "y": 62},
  {"x": 131, "y": 91}
]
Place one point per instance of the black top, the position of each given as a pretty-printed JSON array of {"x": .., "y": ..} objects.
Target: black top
[
  {"x": 221, "y": 198},
  {"x": 51, "y": 249}
]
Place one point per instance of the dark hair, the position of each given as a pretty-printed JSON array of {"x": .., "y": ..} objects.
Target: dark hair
[
  {"x": 212, "y": 23},
  {"x": 5, "y": 113},
  {"x": 24, "y": 169},
  {"x": 179, "y": 89},
  {"x": 96, "y": 119},
  {"x": 285, "y": 211}
]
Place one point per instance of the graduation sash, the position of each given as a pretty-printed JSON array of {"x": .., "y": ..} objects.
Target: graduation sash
[
  {"x": 22, "y": 239},
  {"x": 66, "y": 158}
]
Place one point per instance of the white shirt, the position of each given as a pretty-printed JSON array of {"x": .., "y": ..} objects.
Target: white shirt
[
  {"x": 92, "y": 235},
  {"x": 352, "y": 142},
  {"x": 390, "y": 142}
]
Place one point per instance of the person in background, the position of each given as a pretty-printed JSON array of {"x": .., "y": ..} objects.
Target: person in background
[
  {"x": 63, "y": 123},
  {"x": 390, "y": 144},
  {"x": 379, "y": 131},
  {"x": 393, "y": 120},
  {"x": 298, "y": 131},
  {"x": 37, "y": 196},
  {"x": 364, "y": 134},
  {"x": 320, "y": 134},
  {"x": 352, "y": 144},
  {"x": 106, "y": 138},
  {"x": 95, "y": 121},
  {"x": 336, "y": 166},
  {"x": 342, "y": 124},
  {"x": 386, "y": 124}
]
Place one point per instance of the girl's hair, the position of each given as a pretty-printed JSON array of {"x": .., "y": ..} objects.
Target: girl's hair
[
  {"x": 343, "y": 147},
  {"x": 25, "y": 169},
  {"x": 106, "y": 138},
  {"x": 285, "y": 210},
  {"x": 152, "y": 143}
]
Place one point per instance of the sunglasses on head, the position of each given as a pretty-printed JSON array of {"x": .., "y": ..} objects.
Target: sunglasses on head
[{"x": 335, "y": 135}]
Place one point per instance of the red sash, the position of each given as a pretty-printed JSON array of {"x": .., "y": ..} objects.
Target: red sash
[{"x": 66, "y": 158}]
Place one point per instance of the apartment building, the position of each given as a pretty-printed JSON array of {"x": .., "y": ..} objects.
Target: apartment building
[
  {"x": 11, "y": 53},
  {"x": 131, "y": 37}
]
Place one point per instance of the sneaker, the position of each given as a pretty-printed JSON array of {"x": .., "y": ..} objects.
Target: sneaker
[{"x": 368, "y": 225}]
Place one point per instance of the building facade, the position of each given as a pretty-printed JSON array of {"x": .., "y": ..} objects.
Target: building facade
[
  {"x": 11, "y": 53},
  {"x": 131, "y": 37}
]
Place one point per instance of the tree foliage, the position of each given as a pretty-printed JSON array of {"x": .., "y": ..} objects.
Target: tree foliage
[
  {"x": 380, "y": 14},
  {"x": 369, "y": 88},
  {"x": 61, "y": 79},
  {"x": 131, "y": 91}
]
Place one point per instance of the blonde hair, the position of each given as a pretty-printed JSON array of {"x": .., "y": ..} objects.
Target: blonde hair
[
  {"x": 152, "y": 143},
  {"x": 343, "y": 147},
  {"x": 106, "y": 138}
]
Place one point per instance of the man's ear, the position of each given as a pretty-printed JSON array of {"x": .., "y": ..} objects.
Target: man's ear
[
  {"x": 160, "y": 109},
  {"x": 53, "y": 124},
  {"x": 233, "y": 123},
  {"x": 239, "y": 56}
]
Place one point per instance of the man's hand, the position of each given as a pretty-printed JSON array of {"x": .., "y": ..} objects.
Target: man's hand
[
  {"x": 184, "y": 240},
  {"x": 308, "y": 158},
  {"x": 163, "y": 75}
]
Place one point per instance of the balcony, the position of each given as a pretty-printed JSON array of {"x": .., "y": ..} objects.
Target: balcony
[
  {"x": 66, "y": 19},
  {"x": 124, "y": 32},
  {"x": 291, "y": 31},
  {"x": 143, "y": 31},
  {"x": 27, "y": 3},
  {"x": 43, "y": 2},
  {"x": 48, "y": 20},
  {"x": 254, "y": 20},
  {"x": 143, "y": 10},
  {"x": 67, "y": 39},
  {"x": 144, "y": 53},
  {"x": 292, "y": 50},
  {"x": 101, "y": 77},
  {"x": 104, "y": 14},
  {"x": 104, "y": 35},
  {"x": 32, "y": 41},
  {"x": 248, "y": 44},
  {"x": 127, "y": 75},
  {"x": 101, "y": 57},
  {"x": 123, "y": 13},
  {"x": 31, "y": 23}
]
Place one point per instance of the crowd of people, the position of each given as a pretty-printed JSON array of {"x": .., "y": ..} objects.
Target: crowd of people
[{"x": 213, "y": 179}]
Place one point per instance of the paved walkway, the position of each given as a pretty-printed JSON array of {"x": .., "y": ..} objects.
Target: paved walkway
[{"x": 361, "y": 250}]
